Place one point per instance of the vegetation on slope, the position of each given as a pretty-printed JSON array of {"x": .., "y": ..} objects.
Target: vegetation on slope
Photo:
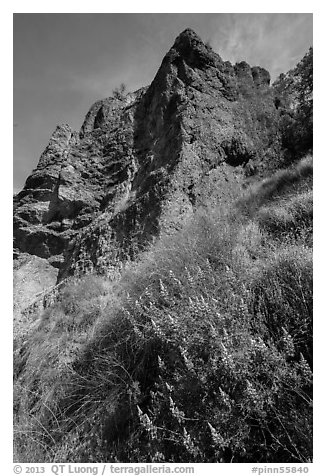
[
  {"x": 294, "y": 97},
  {"x": 200, "y": 352}
]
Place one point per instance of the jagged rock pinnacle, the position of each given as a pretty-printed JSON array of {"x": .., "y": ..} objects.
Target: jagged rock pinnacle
[
  {"x": 187, "y": 35},
  {"x": 194, "y": 51},
  {"x": 142, "y": 164}
]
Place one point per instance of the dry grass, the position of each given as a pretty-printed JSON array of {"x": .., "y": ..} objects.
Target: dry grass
[
  {"x": 295, "y": 180},
  {"x": 201, "y": 351}
]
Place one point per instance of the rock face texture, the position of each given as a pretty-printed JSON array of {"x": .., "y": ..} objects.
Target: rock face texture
[
  {"x": 32, "y": 277},
  {"x": 142, "y": 163}
]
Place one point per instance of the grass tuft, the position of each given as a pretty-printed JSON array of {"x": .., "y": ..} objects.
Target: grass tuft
[{"x": 200, "y": 352}]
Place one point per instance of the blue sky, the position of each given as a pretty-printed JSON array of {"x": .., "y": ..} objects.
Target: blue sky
[{"x": 65, "y": 62}]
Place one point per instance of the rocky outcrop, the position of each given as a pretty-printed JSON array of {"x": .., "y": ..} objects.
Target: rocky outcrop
[
  {"x": 142, "y": 163},
  {"x": 32, "y": 277}
]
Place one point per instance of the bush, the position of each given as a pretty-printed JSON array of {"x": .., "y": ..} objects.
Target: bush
[
  {"x": 282, "y": 297},
  {"x": 202, "y": 352},
  {"x": 120, "y": 91},
  {"x": 42, "y": 366},
  {"x": 294, "y": 97}
]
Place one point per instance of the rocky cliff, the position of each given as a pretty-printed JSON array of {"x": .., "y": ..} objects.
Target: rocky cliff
[{"x": 142, "y": 162}]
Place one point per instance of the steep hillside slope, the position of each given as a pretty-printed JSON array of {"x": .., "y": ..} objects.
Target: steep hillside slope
[{"x": 200, "y": 352}]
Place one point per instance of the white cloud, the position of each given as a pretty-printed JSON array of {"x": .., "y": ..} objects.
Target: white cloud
[{"x": 274, "y": 41}]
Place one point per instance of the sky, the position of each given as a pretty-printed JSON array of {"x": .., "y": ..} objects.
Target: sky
[{"x": 63, "y": 63}]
